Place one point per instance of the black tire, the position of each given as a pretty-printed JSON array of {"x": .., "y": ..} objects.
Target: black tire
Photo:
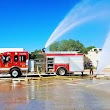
[
  {"x": 15, "y": 72},
  {"x": 61, "y": 71}
]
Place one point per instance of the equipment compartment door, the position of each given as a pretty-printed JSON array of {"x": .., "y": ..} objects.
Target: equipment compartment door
[{"x": 76, "y": 63}]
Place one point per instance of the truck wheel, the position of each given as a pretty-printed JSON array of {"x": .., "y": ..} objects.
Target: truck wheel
[
  {"x": 15, "y": 73},
  {"x": 61, "y": 71}
]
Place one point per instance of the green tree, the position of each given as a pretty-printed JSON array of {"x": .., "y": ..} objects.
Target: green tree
[
  {"x": 66, "y": 45},
  {"x": 90, "y": 47},
  {"x": 35, "y": 54},
  {"x": 69, "y": 45},
  {"x": 54, "y": 46},
  {"x": 63, "y": 45}
]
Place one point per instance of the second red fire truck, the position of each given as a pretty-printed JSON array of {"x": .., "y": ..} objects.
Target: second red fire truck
[{"x": 64, "y": 62}]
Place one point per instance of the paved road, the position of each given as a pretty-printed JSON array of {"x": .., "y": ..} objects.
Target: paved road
[
  {"x": 77, "y": 94},
  {"x": 86, "y": 72}
]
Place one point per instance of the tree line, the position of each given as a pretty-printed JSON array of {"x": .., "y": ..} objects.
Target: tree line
[{"x": 64, "y": 45}]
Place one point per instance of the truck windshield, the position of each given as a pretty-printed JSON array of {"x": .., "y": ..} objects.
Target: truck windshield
[{"x": 5, "y": 59}]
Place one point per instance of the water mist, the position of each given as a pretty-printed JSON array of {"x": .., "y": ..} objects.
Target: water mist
[
  {"x": 104, "y": 59},
  {"x": 81, "y": 13}
]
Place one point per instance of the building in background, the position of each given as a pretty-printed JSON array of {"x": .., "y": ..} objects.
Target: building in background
[{"x": 94, "y": 55}]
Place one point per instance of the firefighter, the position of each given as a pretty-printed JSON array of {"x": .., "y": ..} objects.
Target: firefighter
[{"x": 91, "y": 67}]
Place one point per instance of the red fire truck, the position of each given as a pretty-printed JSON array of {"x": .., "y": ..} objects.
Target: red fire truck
[
  {"x": 13, "y": 61},
  {"x": 16, "y": 61},
  {"x": 61, "y": 63},
  {"x": 64, "y": 62}
]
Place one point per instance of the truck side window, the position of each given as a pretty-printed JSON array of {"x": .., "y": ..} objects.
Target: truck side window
[
  {"x": 15, "y": 58},
  {"x": 23, "y": 58},
  {"x": 5, "y": 59}
]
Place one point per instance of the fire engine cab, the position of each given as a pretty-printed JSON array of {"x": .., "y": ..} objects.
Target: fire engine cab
[{"x": 13, "y": 61}]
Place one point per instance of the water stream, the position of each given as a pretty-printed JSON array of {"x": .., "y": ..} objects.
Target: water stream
[
  {"x": 83, "y": 12},
  {"x": 104, "y": 59}
]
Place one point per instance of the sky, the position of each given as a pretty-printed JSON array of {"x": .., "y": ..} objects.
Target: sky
[{"x": 28, "y": 24}]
